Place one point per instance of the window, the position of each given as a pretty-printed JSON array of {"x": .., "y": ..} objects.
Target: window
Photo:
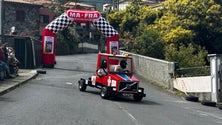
[
  {"x": 44, "y": 18},
  {"x": 20, "y": 15}
]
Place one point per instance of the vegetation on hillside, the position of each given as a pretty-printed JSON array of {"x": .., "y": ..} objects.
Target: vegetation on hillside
[{"x": 183, "y": 31}]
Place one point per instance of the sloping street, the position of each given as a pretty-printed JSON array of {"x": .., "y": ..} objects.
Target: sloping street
[{"x": 54, "y": 99}]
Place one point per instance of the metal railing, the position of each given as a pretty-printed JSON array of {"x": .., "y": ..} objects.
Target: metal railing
[{"x": 193, "y": 71}]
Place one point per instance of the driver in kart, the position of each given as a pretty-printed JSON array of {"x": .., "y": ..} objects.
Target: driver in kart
[
  {"x": 103, "y": 68},
  {"x": 121, "y": 66}
]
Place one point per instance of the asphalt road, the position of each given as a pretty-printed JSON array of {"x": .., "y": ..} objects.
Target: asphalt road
[{"x": 54, "y": 99}]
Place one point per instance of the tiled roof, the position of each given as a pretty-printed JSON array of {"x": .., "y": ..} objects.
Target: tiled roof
[
  {"x": 37, "y": 2},
  {"x": 144, "y": 1}
]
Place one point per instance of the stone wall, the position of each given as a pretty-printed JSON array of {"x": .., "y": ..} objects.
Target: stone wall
[{"x": 28, "y": 27}]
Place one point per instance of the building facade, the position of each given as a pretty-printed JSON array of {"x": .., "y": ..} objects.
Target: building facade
[
  {"x": 22, "y": 25},
  {"x": 122, "y": 4},
  {"x": 97, "y": 3},
  {"x": 25, "y": 18}
]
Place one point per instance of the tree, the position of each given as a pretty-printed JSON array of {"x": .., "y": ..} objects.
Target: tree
[
  {"x": 126, "y": 20},
  {"x": 148, "y": 44},
  {"x": 147, "y": 15},
  {"x": 191, "y": 26},
  {"x": 133, "y": 19},
  {"x": 187, "y": 56},
  {"x": 115, "y": 18},
  {"x": 130, "y": 19},
  {"x": 190, "y": 22},
  {"x": 202, "y": 17},
  {"x": 67, "y": 41},
  {"x": 178, "y": 36}
]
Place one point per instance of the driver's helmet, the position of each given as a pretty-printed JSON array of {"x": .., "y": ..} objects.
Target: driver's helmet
[
  {"x": 103, "y": 64},
  {"x": 123, "y": 64}
]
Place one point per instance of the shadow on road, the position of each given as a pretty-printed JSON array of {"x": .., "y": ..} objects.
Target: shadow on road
[
  {"x": 5, "y": 99},
  {"x": 124, "y": 99},
  {"x": 95, "y": 92},
  {"x": 130, "y": 100}
]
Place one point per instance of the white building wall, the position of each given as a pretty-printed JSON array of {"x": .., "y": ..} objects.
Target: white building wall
[{"x": 123, "y": 5}]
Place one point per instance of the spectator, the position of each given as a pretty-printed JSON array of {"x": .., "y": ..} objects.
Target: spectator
[
  {"x": 4, "y": 65},
  {"x": 1, "y": 68},
  {"x": 1, "y": 72},
  {"x": 13, "y": 63},
  {"x": 4, "y": 48}
]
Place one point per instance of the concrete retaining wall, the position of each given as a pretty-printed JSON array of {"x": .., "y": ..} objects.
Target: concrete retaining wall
[
  {"x": 155, "y": 70},
  {"x": 193, "y": 84},
  {"x": 161, "y": 71},
  {"x": 196, "y": 86}
]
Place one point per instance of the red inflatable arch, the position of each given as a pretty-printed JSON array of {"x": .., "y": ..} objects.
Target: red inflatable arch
[{"x": 80, "y": 16}]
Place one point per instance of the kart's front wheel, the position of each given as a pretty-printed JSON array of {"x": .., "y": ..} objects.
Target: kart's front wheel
[
  {"x": 104, "y": 93},
  {"x": 82, "y": 85}
]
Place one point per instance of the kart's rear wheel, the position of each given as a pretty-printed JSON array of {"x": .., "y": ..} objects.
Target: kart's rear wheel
[
  {"x": 104, "y": 93},
  {"x": 137, "y": 97},
  {"x": 82, "y": 85}
]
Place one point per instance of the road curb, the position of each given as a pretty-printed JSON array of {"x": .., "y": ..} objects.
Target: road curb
[{"x": 16, "y": 83}]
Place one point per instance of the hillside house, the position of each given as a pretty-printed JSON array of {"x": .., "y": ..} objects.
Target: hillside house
[{"x": 22, "y": 25}]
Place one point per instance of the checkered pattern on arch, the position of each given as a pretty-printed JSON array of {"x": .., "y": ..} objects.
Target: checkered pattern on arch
[
  {"x": 59, "y": 23},
  {"x": 104, "y": 27},
  {"x": 63, "y": 22}
]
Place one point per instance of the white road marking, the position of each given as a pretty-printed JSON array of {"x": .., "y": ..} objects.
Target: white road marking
[
  {"x": 69, "y": 83},
  {"x": 181, "y": 101},
  {"x": 207, "y": 114},
  {"x": 38, "y": 78},
  {"x": 129, "y": 115},
  {"x": 218, "y": 121}
]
